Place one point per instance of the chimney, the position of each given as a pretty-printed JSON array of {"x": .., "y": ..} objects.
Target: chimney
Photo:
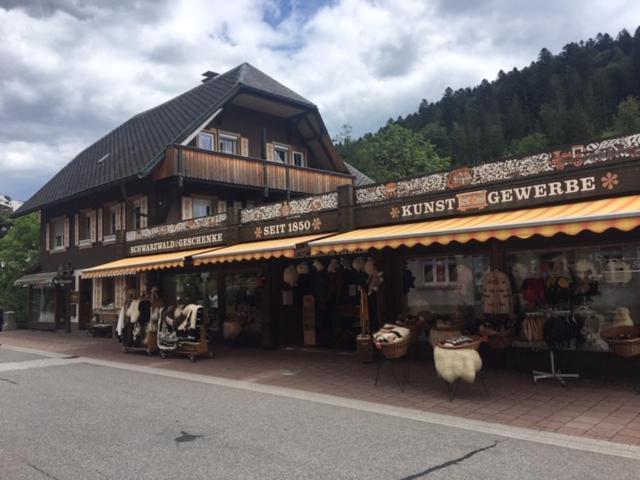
[{"x": 208, "y": 75}]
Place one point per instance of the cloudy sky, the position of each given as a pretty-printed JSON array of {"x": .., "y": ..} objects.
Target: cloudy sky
[{"x": 71, "y": 70}]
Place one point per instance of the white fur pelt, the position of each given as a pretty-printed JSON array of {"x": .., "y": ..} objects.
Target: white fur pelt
[
  {"x": 133, "y": 313},
  {"x": 456, "y": 364}
]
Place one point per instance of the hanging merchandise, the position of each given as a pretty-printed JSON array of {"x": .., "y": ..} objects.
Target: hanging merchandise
[
  {"x": 139, "y": 332},
  {"x": 533, "y": 326},
  {"x": 616, "y": 271},
  {"x": 591, "y": 323},
  {"x": 183, "y": 331},
  {"x": 290, "y": 275},
  {"x": 496, "y": 294},
  {"x": 622, "y": 317},
  {"x": 533, "y": 292}
]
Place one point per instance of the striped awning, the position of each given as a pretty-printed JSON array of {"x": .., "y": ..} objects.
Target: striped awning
[
  {"x": 133, "y": 265},
  {"x": 282, "y": 247},
  {"x": 42, "y": 279},
  {"x": 621, "y": 213}
]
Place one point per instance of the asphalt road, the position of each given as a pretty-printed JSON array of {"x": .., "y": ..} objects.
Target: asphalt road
[{"x": 82, "y": 421}]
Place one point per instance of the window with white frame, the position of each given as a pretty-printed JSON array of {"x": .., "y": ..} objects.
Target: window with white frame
[
  {"x": 281, "y": 153},
  {"x": 84, "y": 226},
  {"x": 57, "y": 229},
  {"x": 228, "y": 144},
  {"x": 136, "y": 220},
  {"x": 202, "y": 207},
  {"x": 439, "y": 271},
  {"x": 298, "y": 159},
  {"x": 109, "y": 220},
  {"x": 205, "y": 141}
]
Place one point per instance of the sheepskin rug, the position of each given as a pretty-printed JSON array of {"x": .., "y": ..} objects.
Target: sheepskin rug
[{"x": 452, "y": 365}]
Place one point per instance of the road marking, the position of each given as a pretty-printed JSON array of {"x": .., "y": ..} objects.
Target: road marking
[
  {"x": 39, "y": 363},
  {"x": 518, "y": 433}
]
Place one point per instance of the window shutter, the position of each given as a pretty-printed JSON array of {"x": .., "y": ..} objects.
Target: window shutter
[
  {"x": 144, "y": 209},
  {"x": 119, "y": 209},
  {"x": 47, "y": 237},
  {"x": 92, "y": 226},
  {"x": 120, "y": 287},
  {"x": 270, "y": 152},
  {"x": 222, "y": 206},
  {"x": 97, "y": 292},
  {"x": 244, "y": 146},
  {"x": 67, "y": 233},
  {"x": 76, "y": 229},
  {"x": 100, "y": 224},
  {"x": 187, "y": 208}
]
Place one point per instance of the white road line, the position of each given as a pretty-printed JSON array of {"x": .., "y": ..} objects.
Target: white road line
[{"x": 547, "y": 438}]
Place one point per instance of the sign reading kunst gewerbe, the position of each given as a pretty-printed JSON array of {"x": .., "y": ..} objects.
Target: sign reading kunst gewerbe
[
  {"x": 503, "y": 197},
  {"x": 196, "y": 241}
]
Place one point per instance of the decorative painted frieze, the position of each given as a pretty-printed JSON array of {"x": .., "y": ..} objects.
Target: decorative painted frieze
[
  {"x": 185, "y": 226},
  {"x": 317, "y": 203},
  {"x": 509, "y": 169}
]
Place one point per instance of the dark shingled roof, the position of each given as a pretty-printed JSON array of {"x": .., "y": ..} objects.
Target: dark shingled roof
[
  {"x": 359, "y": 178},
  {"x": 130, "y": 147}
]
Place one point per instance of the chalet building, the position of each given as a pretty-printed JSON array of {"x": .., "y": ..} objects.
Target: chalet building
[{"x": 231, "y": 196}]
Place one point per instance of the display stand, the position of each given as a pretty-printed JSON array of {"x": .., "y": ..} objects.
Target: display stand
[
  {"x": 177, "y": 344},
  {"x": 132, "y": 344},
  {"x": 400, "y": 369},
  {"x": 554, "y": 373}
]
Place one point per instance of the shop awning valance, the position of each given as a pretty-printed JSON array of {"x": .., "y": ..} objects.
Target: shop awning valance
[
  {"x": 282, "y": 247},
  {"x": 622, "y": 213},
  {"x": 43, "y": 279},
  {"x": 132, "y": 265}
]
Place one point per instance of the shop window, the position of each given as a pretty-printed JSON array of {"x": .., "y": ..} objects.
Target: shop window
[
  {"x": 446, "y": 285},
  {"x": 108, "y": 292},
  {"x": 298, "y": 159},
  {"x": 244, "y": 303},
  {"x": 281, "y": 153},
  {"x": 58, "y": 231},
  {"x": 202, "y": 207},
  {"x": 228, "y": 144},
  {"x": 43, "y": 303},
  {"x": 205, "y": 141},
  {"x": 596, "y": 287}
]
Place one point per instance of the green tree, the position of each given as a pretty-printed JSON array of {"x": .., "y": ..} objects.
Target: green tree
[
  {"x": 531, "y": 143},
  {"x": 627, "y": 120},
  {"x": 396, "y": 152},
  {"x": 18, "y": 250}
]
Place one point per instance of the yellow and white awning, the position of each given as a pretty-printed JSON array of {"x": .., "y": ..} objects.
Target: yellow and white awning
[
  {"x": 281, "y": 247},
  {"x": 132, "y": 265},
  {"x": 621, "y": 213}
]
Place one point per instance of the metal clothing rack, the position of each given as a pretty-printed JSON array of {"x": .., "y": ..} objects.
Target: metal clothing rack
[{"x": 555, "y": 373}]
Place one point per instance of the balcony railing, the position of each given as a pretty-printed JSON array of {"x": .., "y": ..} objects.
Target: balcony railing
[{"x": 218, "y": 167}]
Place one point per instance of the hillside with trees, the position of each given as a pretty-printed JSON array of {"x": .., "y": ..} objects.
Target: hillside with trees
[{"x": 590, "y": 89}]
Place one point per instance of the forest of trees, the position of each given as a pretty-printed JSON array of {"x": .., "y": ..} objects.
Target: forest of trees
[{"x": 590, "y": 89}]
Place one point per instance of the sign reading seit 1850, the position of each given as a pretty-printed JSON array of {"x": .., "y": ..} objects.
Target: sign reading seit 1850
[
  {"x": 480, "y": 199},
  {"x": 177, "y": 244}
]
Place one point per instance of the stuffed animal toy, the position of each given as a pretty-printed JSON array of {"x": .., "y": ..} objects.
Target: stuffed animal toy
[
  {"x": 622, "y": 317},
  {"x": 455, "y": 364},
  {"x": 290, "y": 275},
  {"x": 318, "y": 265},
  {"x": 303, "y": 268}
]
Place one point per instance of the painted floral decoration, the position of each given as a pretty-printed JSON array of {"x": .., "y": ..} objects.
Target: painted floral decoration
[
  {"x": 316, "y": 224},
  {"x": 610, "y": 180},
  {"x": 258, "y": 232},
  {"x": 395, "y": 212},
  {"x": 557, "y": 161}
]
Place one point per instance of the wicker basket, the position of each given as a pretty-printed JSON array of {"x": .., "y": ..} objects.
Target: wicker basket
[
  {"x": 499, "y": 340},
  {"x": 364, "y": 348},
  {"x": 475, "y": 345},
  {"x": 396, "y": 349},
  {"x": 629, "y": 347},
  {"x": 440, "y": 334}
]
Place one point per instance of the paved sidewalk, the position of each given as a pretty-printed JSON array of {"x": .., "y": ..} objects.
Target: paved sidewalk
[{"x": 585, "y": 409}]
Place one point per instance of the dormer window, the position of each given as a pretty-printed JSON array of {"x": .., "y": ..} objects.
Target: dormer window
[
  {"x": 281, "y": 153},
  {"x": 228, "y": 144},
  {"x": 298, "y": 159},
  {"x": 205, "y": 141}
]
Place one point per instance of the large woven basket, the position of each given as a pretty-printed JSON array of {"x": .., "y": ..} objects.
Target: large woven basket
[
  {"x": 440, "y": 334},
  {"x": 623, "y": 347},
  {"x": 396, "y": 349}
]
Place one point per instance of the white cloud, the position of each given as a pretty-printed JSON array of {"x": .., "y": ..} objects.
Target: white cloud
[{"x": 69, "y": 74}]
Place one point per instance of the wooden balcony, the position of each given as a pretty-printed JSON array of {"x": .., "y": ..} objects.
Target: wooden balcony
[{"x": 196, "y": 164}]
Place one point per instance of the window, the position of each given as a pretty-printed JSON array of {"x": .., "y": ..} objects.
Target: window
[
  {"x": 58, "y": 233},
  {"x": 298, "y": 159},
  {"x": 201, "y": 207},
  {"x": 84, "y": 226},
  {"x": 439, "y": 271},
  {"x": 205, "y": 141},
  {"x": 228, "y": 144},
  {"x": 108, "y": 292},
  {"x": 281, "y": 153},
  {"x": 137, "y": 217},
  {"x": 110, "y": 220}
]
